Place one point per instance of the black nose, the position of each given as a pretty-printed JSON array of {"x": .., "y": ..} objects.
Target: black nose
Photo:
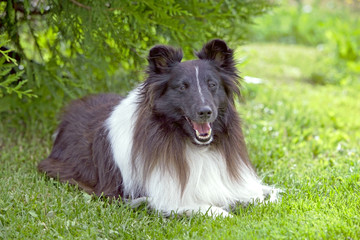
[{"x": 204, "y": 112}]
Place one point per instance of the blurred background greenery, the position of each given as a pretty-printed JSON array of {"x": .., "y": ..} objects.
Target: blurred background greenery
[
  {"x": 54, "y": 51},
  {"x": 330, "y": 26}
]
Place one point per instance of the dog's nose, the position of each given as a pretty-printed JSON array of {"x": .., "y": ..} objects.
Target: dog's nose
[{"x": 204, "y": 112}]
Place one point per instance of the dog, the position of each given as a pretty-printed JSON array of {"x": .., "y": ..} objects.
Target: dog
[{"x": 175, "y": 141}]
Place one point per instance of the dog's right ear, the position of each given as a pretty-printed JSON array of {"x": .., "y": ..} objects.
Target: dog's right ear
[
  {"x": 216, "y": 50},
  {"x": 161, "y": 58}
]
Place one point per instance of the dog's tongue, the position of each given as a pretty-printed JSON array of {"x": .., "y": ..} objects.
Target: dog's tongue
[{"x": 202, "y": 128}]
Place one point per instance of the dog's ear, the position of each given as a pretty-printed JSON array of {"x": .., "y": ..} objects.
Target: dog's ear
[
  {"x": 216, "y": 50},
  {"x": 219, "y": 53},
  {"x": 161, "y": 58}
]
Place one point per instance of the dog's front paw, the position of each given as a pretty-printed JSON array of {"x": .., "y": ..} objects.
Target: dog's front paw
[
  {"x": 135, "y": 203},
  {"x": 218, "y": 212},
  {"x": 208, "y": 210},
  {"x": 272, "y": 194}
]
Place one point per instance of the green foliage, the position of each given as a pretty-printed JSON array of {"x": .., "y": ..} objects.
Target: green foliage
[
  {"x": 72, "y": 48},
  {"x": 344, "y": 46},
  {"x": 10, "y": 79},
  {"x": 329, "y": 25}
]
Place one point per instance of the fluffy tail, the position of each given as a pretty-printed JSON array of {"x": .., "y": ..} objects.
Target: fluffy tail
[{"x": 63, "y": 172}]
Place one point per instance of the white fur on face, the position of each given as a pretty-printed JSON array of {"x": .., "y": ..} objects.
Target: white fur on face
[{"x": 198, "y": 84}]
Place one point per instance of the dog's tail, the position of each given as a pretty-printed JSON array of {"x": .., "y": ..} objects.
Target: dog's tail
[{"x": 63, "y": 172}]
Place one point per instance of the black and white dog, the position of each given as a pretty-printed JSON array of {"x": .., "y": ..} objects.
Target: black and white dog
[{"x": 176, "y": 140}]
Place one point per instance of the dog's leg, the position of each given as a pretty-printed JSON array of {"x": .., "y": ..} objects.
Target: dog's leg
[
  {"x": 208, "y": 210},
  {"x": 271, "y": 194},
  {"x": 134, "y": 203}
]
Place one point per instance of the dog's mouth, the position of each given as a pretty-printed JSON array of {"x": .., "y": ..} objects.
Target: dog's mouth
[{"x": 203, "y": 132}]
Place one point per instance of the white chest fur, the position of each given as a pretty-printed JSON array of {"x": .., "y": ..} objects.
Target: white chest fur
[{"x": 209, "y": 184}]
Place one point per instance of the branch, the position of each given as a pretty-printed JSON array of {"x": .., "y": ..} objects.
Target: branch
[
  {"x": 80, "y": 5},
  {"x": 90, "y": 8},
  {"x": 19, "y": 7},
  {"x": 35, "y": 40}
]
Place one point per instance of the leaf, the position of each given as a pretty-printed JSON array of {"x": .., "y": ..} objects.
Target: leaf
[{"x": 33, "y": 214}]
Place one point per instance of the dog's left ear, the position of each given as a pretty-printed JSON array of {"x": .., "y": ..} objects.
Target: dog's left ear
[
  {"x": 161, "y": 58},
  {"x": 216, "y": 50}
]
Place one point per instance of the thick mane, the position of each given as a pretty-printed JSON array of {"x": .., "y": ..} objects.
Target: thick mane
[
  {"x": 229, "y": 140},
  {"x": 157, "y": 143},
  {"x": 161, "y": 143}
]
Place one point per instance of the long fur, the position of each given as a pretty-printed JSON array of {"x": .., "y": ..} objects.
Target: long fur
[{"x": 144, "y": 147}]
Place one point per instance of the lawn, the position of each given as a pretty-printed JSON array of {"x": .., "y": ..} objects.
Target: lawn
[{"x": 302, "y": 138}]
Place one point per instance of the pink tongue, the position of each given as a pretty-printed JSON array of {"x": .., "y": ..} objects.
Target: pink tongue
[{"x": 202, "y": 128}]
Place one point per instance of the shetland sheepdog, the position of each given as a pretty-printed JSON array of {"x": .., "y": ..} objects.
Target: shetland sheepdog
[{"x": 175, "y": 141}]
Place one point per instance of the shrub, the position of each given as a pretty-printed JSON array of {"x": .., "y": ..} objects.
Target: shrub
[
  {"x": 71, "y": 48},
  {"x": 11, "y": 73}
]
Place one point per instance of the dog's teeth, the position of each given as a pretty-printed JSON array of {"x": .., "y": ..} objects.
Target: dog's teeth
[
  {"x": 197, "y": 133},
  {"x": 203, "y": 137}
]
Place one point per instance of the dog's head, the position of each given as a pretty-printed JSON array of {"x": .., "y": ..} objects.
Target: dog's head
[{"x": 192, "y": 95}]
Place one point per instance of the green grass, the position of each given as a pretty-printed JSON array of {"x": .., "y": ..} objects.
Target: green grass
[{"x": 302, "y": 138}]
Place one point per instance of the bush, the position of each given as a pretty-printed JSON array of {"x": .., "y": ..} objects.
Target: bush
[
  {"x": 11, "y": 73},
  {"x": 72, "y": 48},
  {"x": 343, "y": 43}
]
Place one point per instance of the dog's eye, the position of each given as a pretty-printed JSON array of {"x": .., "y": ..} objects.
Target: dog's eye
[
  {"x": 212, "y": 84},
  {"x": 183, "y": 87}
]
